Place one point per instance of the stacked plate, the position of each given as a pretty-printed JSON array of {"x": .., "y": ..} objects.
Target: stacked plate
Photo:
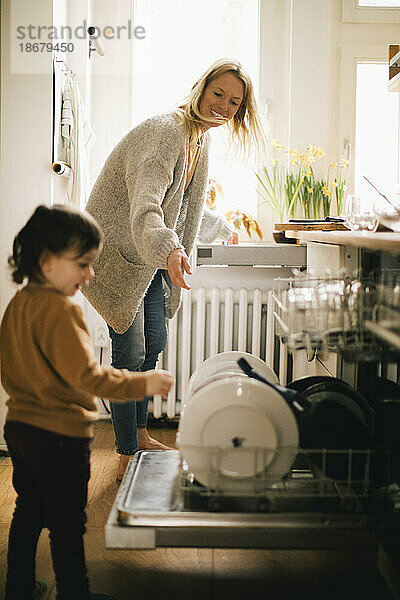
[
  {"x": 226, "y": 363},
  {"x": 235, "y": 431}
]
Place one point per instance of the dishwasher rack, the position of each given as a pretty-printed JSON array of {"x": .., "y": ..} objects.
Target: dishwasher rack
[
  {"x": 366, "y": 481},
  {"x": 343, "y": 313}
]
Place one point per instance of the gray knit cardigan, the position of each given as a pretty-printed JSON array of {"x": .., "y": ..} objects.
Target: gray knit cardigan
[{"x": 140, "y": 203}]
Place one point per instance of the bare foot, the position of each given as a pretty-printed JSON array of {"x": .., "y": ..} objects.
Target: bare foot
[
  {"x": 122, "y": 465},
  {"x": 145, "y": 442}
]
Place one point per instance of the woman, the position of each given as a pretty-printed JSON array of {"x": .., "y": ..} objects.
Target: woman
[{"x": 149, "y": 201}]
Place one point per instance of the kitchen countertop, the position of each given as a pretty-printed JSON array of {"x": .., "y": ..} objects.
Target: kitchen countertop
[{"x": 388, "y": 241}]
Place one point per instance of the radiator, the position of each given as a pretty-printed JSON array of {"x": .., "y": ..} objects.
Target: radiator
[{"x": 211, "y": 321}]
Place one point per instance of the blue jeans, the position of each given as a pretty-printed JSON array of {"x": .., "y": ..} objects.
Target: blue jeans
[{"x": 137, "y": 350}]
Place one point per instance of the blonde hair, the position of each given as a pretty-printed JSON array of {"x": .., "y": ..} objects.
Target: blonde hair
[{"x": 246, "y": 129}]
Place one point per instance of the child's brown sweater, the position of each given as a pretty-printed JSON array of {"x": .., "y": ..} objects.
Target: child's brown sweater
[{"x": 48, "y": 368}]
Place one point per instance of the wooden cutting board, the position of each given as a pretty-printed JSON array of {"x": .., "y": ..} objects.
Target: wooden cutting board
[{"x": 328, "y": 226}]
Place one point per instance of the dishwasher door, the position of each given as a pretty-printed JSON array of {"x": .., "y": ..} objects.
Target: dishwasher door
[{"x": 150, "y": 512}]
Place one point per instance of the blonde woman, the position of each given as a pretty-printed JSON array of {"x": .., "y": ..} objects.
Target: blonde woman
[{"x": 149, "y": 201}]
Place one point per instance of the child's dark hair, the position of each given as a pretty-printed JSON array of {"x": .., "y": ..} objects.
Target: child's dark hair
[{"x": 57, "y": 228}]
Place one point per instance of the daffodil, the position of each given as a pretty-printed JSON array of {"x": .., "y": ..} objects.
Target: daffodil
[
  {"x": 277, "y": 145},
  {"x": 338, "y": 186},
  {"x": 289, "y": 186},
  {"x": 271, "y": 180},
  {"x": 325, "y": 190}
]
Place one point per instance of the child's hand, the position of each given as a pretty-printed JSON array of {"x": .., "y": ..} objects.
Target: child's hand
[{"x": 158, "y": 382}]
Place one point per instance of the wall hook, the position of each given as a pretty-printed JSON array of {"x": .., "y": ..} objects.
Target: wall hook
[{"x": 95, "y": 44}]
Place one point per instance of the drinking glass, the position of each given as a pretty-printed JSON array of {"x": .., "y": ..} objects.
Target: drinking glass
[{"x": 360, "y": 215}]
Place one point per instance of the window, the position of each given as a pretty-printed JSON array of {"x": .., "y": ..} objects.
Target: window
[
  {"x": 183, "y": 38},
  {"x": 380, "y": 3},
  {"x": 371, "y": 11},
  {"x": 377, "y": 130},
  {"x": 369, "y": 119}
]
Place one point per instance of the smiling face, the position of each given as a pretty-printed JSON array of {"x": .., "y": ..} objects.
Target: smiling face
[
  {"x": 67, "y": 272},
  {"x": 221, "y": 99}
]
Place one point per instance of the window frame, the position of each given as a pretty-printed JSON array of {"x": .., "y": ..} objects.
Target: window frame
[
  {"x": 353, "y": 13},
  {"x": 351, "y": 56}
]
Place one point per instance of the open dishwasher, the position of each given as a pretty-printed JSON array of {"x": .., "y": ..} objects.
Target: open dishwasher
[{"x": 161, "y": 504}]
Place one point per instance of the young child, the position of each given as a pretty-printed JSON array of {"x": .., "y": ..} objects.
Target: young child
[{"x": 51, "y": 377}]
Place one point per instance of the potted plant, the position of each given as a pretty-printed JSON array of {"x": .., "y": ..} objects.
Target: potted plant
[{"x": 288, "y": 184}]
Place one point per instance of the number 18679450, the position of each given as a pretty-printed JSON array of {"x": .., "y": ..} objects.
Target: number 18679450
[{"x": 46, "y": 47}]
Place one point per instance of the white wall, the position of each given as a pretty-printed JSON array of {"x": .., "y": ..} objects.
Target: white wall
[
  {"x": 296, "y": 45},
  {"x": 26, "y": 138},
  {"x": 111, "y": 82},
  {"x": 295, "y": 70}
]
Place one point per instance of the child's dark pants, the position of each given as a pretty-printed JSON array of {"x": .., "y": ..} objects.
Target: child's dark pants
[{"x": 51, "y": 474}]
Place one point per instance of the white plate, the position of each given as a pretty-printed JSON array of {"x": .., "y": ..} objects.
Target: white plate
[
  {"x": 255, "y": 361},
  {"x": 225, "y": 362},
  {"x": 237, "y": 410}
]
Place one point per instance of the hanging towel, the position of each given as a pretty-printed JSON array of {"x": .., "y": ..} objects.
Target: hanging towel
[{"x": 78, "y": 138}]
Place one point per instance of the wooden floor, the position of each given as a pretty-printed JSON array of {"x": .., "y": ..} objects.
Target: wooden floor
[{"x": 196, "y": 573}]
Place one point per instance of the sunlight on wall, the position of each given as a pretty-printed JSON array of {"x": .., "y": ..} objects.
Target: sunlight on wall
[
  {"x": 183, "y": 38},
  {"x": 377, "y": 131}
]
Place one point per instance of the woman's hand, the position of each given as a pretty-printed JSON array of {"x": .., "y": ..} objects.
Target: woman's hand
[
  {"x": 178, "y": 263},
  {"x": 158, "y": 382}
]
